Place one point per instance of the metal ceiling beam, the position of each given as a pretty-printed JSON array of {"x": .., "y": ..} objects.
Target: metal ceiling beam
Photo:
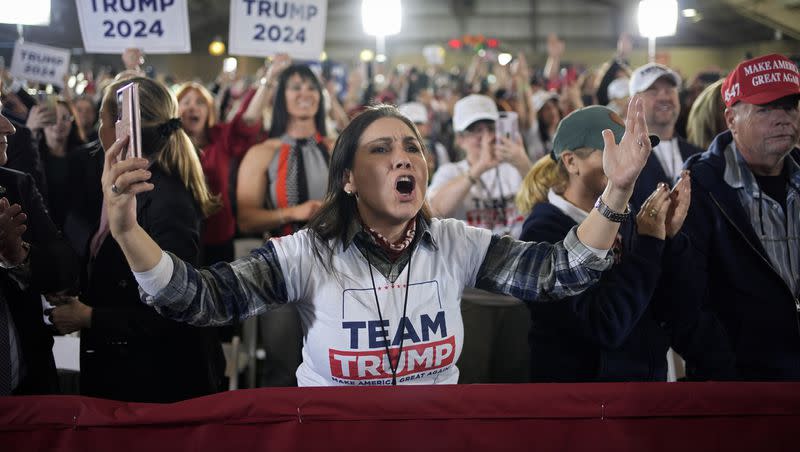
[{"x": 772, "y": 13}]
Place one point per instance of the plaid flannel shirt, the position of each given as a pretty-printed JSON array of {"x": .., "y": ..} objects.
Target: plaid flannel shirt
[{"x": 249, "y": 286}]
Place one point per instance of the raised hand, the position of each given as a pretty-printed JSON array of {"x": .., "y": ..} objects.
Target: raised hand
[
  {"x": 122, "y": 181},
  {"x": 681, "y": 197},
  {"x": 623, "y": 162},
  {"x": 12, "y": 226},
  {"x": 555, "y": 46},
  {"x": 133, "y": 58},
  {"x": 40, "y": 117},
  {"x": 624, "y": 45},
  {"x": 651, "y": 217},
  {"x": 520, "y": 69},
  {"x": 513, "y": 151},
  {"x": 280, "y": 62},
  {"x": 488, "y": 158}
]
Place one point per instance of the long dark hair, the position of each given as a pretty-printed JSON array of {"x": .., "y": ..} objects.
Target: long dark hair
[
  {"x": 280, "y": 114},
  {"x": 338, "y": 208}
]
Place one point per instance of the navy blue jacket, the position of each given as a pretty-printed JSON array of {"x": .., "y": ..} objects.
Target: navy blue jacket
[
  {"x": 742, "y": 322},
  {"x": 653, "y": 173},
  {"x": 610, "y": 332}
]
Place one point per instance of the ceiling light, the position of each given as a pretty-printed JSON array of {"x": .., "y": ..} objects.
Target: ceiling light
[
  {"x": 217, "y": 47},
  {"x": 504, "y": 58},
  {"x": 33, "y": 12}
]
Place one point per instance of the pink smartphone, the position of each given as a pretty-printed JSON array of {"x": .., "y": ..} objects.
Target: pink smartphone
[
  {"x": 129, "y": 119},
  {"x": 507, "y": 125}
]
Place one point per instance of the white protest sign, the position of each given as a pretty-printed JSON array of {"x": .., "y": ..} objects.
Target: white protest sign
[
  {"x": 155, "y": 26},
  {"x": 263, "y": 28},
  {"x": 40, "y": 63}
]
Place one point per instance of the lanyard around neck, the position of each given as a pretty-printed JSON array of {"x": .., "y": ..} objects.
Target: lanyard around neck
[{"x": 392, "y": 365}]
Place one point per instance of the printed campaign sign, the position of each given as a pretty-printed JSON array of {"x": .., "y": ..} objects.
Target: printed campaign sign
[
  {"x": 40, "y": 63},
  {"x": 155, "y": 26},
  {"x": 263, "y": 28}
]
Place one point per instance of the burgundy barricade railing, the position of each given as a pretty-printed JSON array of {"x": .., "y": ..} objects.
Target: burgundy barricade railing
[{"x": 613, "y": 416}]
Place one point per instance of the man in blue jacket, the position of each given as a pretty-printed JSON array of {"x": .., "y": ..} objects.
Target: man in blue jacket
[
  {"x": 744, "y": 221},
  {"x": 659, "y": 87}
]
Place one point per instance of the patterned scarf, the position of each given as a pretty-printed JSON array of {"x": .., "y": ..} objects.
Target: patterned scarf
[{"x": 394, "y": 250}]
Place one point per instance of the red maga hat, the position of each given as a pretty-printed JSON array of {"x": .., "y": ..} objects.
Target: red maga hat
[{"x": 761, "y": 80}]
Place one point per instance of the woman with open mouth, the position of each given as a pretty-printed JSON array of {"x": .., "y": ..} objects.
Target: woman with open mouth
[
  {"x": 219, "y": 144},
  {"x": 376, "y": 280}
]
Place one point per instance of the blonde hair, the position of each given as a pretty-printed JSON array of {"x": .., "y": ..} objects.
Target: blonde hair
[
  {"x": 175, "y": 154},
  {"x": 545, "y": 174},
  {"x": 184, "y": 89},
  {"x": 707, "y": 116}
]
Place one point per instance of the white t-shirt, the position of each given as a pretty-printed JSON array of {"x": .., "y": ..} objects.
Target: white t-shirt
[
  {"x": 442, "y": 156},
  {"x": 489, "y": 204},
  {"x": 669, "y": 155},
  {"x": 344, "y": 343}
]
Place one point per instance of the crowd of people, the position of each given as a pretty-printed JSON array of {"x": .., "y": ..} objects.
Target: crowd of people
[{"x": 630, "y": 211}]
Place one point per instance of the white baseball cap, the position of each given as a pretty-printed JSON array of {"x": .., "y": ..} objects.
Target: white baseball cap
[
  {"x": 475, "y": 107},
  {"x": 618, "y": 89},
  {"x": 644, "y": 76},
  {"x": 541, "y": 97},
  {"x": 414, "y": 111}
]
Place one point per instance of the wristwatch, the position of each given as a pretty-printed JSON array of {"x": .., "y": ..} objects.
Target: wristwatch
[{"x": 612, "y": 215}]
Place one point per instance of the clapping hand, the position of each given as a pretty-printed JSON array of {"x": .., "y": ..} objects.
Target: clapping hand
[
  {"x": 651, "y": 219},
  {"x": 662, "y": 214},
  {"x": 12, "y": 226},
  {"x": 681, "y": 197}
]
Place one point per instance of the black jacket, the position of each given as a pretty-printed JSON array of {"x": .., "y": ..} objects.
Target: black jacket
[
  {"x": 53, "y": 267},
  {"x": 130, "y": 352}
]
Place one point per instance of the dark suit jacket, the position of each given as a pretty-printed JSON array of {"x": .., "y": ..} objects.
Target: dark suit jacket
[
  {"x": 53, "y": 267},
  {"x": 131, "y": 352},
  {"x": 23, "y": 155},
  {"x": 653, "y": 173}
]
